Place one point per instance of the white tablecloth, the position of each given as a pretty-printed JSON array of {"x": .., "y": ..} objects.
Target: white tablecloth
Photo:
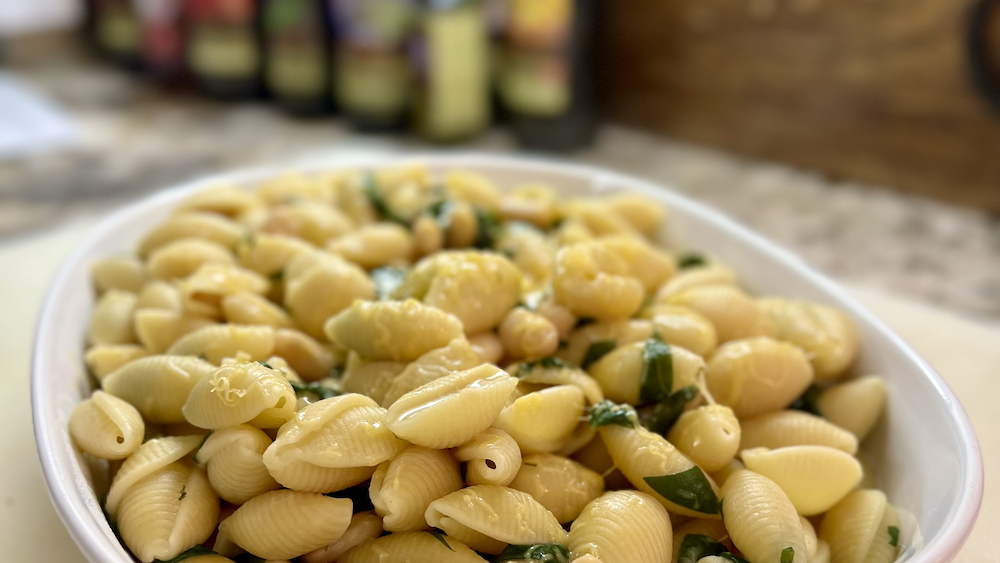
[{"x": 967, "y": 353}]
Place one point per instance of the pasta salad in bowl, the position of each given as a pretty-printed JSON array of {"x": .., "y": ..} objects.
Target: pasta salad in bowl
[{"x": 469, "y": 358}]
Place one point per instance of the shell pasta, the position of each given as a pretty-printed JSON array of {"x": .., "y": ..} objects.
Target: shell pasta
[{"x": 394, "y": 365}]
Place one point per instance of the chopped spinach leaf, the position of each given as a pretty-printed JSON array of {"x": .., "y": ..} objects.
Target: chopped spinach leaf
[
  {"x": 597, "y": 350},
  {"x": 893, "y": 536},
  {"x": 184, "y": 493},
  {"x": 689, "y": 488},
  {"x": 441, "y": 212},
  {"x": 809, "y": 400},
  {"x": 667, "y": 411},
  {"x": 265, "y": 364},
  {"x": 551, "y": 362},
  {"x": 321, "y": 391},
  {"x": 439, "y": 536},
  {"x": 277, "y": 276},
  {"x": 733, "y": 558},
  {"x": 386, "y": 280},
  {"x": 787, "y": 555},
  {"x": 379, "y": 202},
  {"x": 539, "y": 553},
  {"x": 691, "y": 261},
  {"x": 488, "y": 230},
  {"x": 194, "y": 456},
  {"x": 696, "y": 546},
  {"x": 195, "y": 551},
  {"x": 607, "y": 412},
  {"x": 657, "y": 370}
]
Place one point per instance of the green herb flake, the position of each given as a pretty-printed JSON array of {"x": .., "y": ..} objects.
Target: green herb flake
[
  {"x": 321, "y": 391},
  {"x": 598, "y": 350},
  {"x": 529, "y": 464},
  {"x": 787, "y": 555},
  {"x": 184, "y": 493},
  {"x": 441, "y": 212},
  {"x": 265, "y": 364},
  {"x": 691, "y": 261},
  {"x": 667, "y": 411},
  {"x": 195, "y": 551},
  {"x": 386, "y": 280},
  {"x": 538, "y": 553},
  {"x": 689, "y": 488},
  {"x": 607, "y": 412},
  {"x": 695, "y": 546},
  {"x": 809, "y": 400},
  {"x": 194, "y": 456},
  {"x": 893, "y": 536},
  {"x": 439, "y": 536},
  {"x": 729, "y": 556},
  {"x": 526, "y": 368},
  {"x": 378, "y": 201},
  {"x": 488, "y": 230},
  {"x": 657, "y": 377},
  {"x": 277, "y": 276}
]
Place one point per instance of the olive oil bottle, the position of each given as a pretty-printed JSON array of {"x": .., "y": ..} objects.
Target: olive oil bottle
[
  {"x": 372, "y": 85},
  {"x": 297, "y": 55},
  {"x": 114, "y": 29},
  {"x": 223, "y": 50}
]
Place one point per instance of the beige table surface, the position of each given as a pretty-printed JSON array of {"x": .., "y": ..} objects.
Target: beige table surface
[{"x": 967, "y": 353}]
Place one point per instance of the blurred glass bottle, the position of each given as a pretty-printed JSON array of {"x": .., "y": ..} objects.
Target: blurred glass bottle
[
  {"x": 451, "y": 54},
  {"x": 162, "y": 39},
  {"x": 114, "y": 29},
  {"x": 297, "y": 51},
  {"x": 546, "y": 76},
  {"x": 223, "y": 50},
  {"x": 372, "y": 77}
]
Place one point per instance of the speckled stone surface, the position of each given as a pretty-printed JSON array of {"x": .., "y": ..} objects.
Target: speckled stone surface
[{"x": 135, "y": 140}]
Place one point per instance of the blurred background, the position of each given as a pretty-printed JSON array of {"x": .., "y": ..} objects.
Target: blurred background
[{"x": 862, "y": 134}]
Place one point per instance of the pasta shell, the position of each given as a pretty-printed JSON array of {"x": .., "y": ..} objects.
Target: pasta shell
[
  {"x": 157, "y": 386},
  {"x": 217, "y": 342},
  {"x": 393, "y": 330},
  {"x": 857, "y": 527},
  {"x": 414, "y": 547},
  {"x": 828, "y": 335},
  {"x": 761, "y": 521},
  {"x": 373, "y": 379},
  {"x": 487, "y": 517},
  {"x": 364, "y": 526},
  {"x": 703, "y": 276},
  {"x": 733, "y": 314},
  {"x": 241, "y": 393},
  {"x": 312, "y": 222},
  {"x": 714, "y": 529},
  {"x": 449, "y": 411},
  {"x": 639, "y": 453},
  {"x": 310, "y": 359},
  {"x": 621, "y": 332},
  {"x": 594, "y": 456},
  {"x": 492, "y": 458},
  {"x": 158, "y": 329},
  {"x": 593, "y": 281},
  {"x": 224, "y": 200},
  {"x": 106, "y": 426},
  {"x": 683, "y": 327},
  {"x": 623, "y": 527},
  {"x": 402, "y": 489},
  {"x": 543, "y": 421},
  {"x": 708, "y": 435},
  {"x": 167, "y": 512},
  {"x": 269, "y": 255},
  {"x": 794, "y": 428},
  {"x": 192, "y": 224},
  {"x": 560, "y": 484},
  {"x": 757, "y": 375},
  {"x": 111, "y": 321},
  {"x": 285, "y": 524},
  {"x": 233, "y": 458},
  {"x": 458, "y": 355},
  {"x": 146, "y": 460},
  {"x": 158, "y": 294},
  {"x": 249, "y": 308},
  {"x": 732, "y": 466},
  {"x": 324, "y": 290},
  {"x": 619, "y": 372},
  {"x": 203, "y": 291},
  {"x": 855, "y": 405},
  {"x": 642, "y": 212},
  {"x": 372, "y": 246},
  {"x": 106, "y": 358},
  {"x": 123, "y": 273},
  {"x": 814, "y": 477},
  {"x": 183, "y": 257},
  {"x": 526, "y": 334}
]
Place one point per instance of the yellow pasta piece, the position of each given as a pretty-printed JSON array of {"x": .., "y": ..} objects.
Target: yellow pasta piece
[
  {"x": 623, "y": 527},
  {"x": 373, "y": 379},
  {"x": 149, "y": 458},
  {"x": 757, "y": 375},
  {"x": 561, "y": 485},
  {"x": 121, "y": 273},
  {"x": 233, "y": 457},
  {"x": 619, "y": 372},
  {"x": 683, "y": 327},
  {"x": 106, "y": 426},
  {"x": 492, "y": 458},
  {"x": 225, "y": 200},
  {"x": 828, "y": 335},
  {"x": 593, "y": 281},
  {"x": 158, "y": 294},
  {"x": 373, "y": 246},
  {"x": 158, "y": 329},
  {"x": 219, "y": 341},
  {"x": 313, "y": 222},
  {"x": 619, "y": 332},
  {"x": 392, "y": 330},
  {"x": 458, "y": 355},
  {"x": 856, "y": 529},
  {"x": 708, "y": 435},
  {"x": 183, "y": 257},
  {"x": 416, "y": 547},
  {"x": 402, "y": 488},
  {"x": 192, "y": 224},
  {"x": 111, "y": 321},
  {"x": 103, "y": 359},
  {"x": 158, "y": 386},
  {"x": 323, "y": 290},
  {"x": 543, "y": 421},
  {"x": 794, "y": 428},
  {"x": 364, "y": 526},
  {"x": 855, "y": 405},
  {"x": 814, "y": 477},
  {"x": 731, "y": 311},
  {"x": 240, "y": 393},
  {"x": 761, "y": 521},
  {"x": 249, "y": 308},
  {"x": 525, "y": 334}
]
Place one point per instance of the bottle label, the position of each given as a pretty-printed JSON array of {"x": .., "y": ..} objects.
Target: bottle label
[
  {"x": 163, "y": 43},
  {"x": 534, "y": 74},
  {"x": 222, "y": 41},
  {"x": 118, "y": 28},
  {"x": 295, "y": 48}
]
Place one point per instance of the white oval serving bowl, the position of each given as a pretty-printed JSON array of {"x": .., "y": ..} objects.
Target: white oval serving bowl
[{"x": 924, "y": 451}]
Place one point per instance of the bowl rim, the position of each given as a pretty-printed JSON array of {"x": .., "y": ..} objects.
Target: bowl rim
[{"x": 71, "y": 507}]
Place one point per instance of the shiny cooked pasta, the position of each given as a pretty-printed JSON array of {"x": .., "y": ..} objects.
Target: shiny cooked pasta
[{"x": 390, "y": 365}]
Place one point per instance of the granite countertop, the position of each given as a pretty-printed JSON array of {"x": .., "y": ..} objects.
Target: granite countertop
[{"x": 135, "y": 140}]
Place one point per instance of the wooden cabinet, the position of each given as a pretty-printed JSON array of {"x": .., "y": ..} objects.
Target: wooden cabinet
[{"x": 872, "y": 90}]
